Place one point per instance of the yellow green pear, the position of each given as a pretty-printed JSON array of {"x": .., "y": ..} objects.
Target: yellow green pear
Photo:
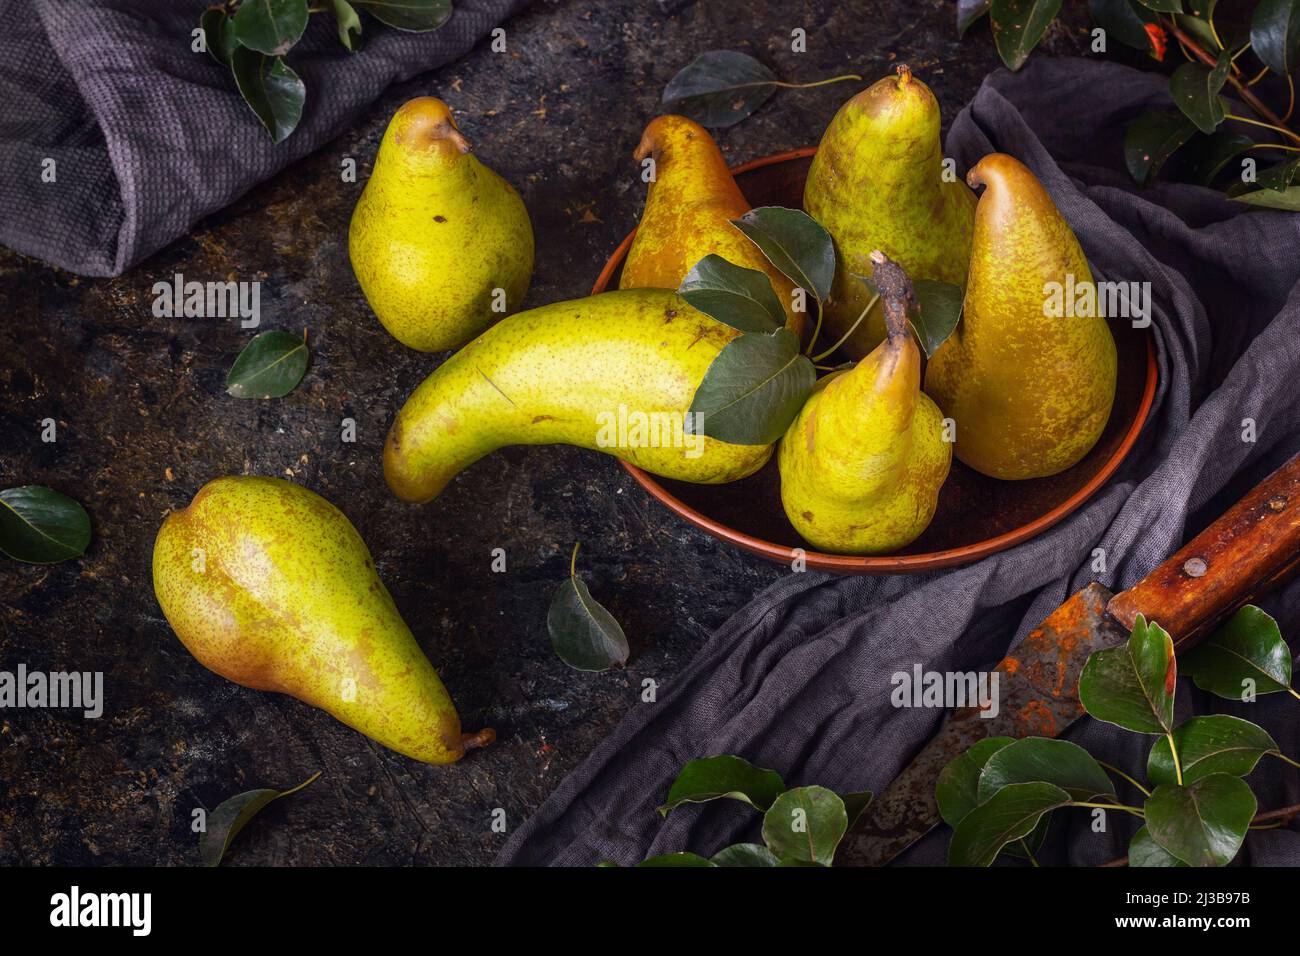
[
  {"x": 270, "y": 586},
  {"x": 878, "y": 181},
  {"x": 689, "y": 207},
  {"x": 441, "y": 245},
  {"x": 614, "y": 372},
  {"x": 1030, "y": 390},
  {"x": 862, "y": 464}
]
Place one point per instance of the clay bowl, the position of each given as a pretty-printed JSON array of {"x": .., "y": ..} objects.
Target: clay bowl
[{"x": 977, "y": 515}]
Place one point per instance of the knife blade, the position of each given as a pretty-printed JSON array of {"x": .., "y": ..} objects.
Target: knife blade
[{"x": 1246, "y": 552}]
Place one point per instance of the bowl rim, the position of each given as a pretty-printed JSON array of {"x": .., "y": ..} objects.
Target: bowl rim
[{"x": 885, "y": 564}]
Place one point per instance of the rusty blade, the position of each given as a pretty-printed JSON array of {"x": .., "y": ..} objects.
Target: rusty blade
[{"x": 1036, "y": 695}]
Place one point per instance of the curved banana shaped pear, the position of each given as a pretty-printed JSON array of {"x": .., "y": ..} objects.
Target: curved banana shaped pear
[
  {"x": 862, "y": 464},
  {"x": 1030, "y": 392},
  {"x": 688, "y": 212},
  {"x": 439, "y": 242},
  {"x": 877, "y": 182},
  {"x": 614, "y": 372},
  {"x": 270, "y": 586}
]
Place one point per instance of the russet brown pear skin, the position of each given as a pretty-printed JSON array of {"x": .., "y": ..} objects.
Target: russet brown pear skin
[
  {"x": 436, "y": 233},
  {"x": 688, "y": 213},
  {"x": 1030, "y": 392},
  {"x": 862, "y": 464},
  {"x": 877, "y": 182},
  {"x": 565, "y": 373},
  {"x": 270, "y": 586}
]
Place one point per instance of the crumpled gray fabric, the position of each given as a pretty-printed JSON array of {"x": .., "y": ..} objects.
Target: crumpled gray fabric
[
  {"x": 799, "y": 679},
  {"x": 148, "y": 136}
]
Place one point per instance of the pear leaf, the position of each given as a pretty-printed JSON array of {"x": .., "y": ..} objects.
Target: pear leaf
[
  {"x": 745, "y": 854},
  {"x": 713, "y": 778},
  {"x": 1058, "y": 762},
  {"x": 805, "y": 824},
  {"x": 957, "y": 789},
  {"x": 855, "y": 804},
  {"x": 349, "y": 24},
  {"x": 270, "y": 366},
  {"x": 1133, "y": 685},
  {"x": 676, "y": 859},
  {"x": 1145, "y": 851},
  {"x": 754, "y": 389},
  {"x": 1275, "y": 34},
  {"x": 1288, "y": 200},
  {"x": 1203, "y": 823},
  {"x": 938, "y": 311},
  {"x": 719, "y": 88},
  {"x": 1247, "y": 648},
  {"x": 1010, "y": 814},
  {"x": 270, "y": 27},
  {"x": 1018, "y": 25},
  {"x": 1195, "y": 90},
  {"x": 739, "y": 297},
  {"x": 795, "y": 243},
  {"x": 1151, "y": 139},
  {"x": 585, "y": 635},
  {"x": 412, "y": 16},
  {"x": 39, "y": 525},
  {"x": 1273, "y": 188},
  {"x": 1123, "y": 21},
  {"x": 218, "y": 35},
  {"x": 1163, "y": 6},
  {"x": 271, "y": 89},
  {"x": 225, "y": 822},
  {"x": 1216, "y": 743},
  {"x": 968, "y": 11},
  {"x": 1205, "y": 157}
]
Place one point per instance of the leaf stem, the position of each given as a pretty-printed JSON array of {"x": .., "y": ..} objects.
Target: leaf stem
[
  {"x": 1293, "y": 692},
  {"x": 1289, "y": 149},
  {"x": 1109, "y": 806},
  {"x": 1283, "y": 757},
  {"x": 1178, "y": 767},
  {"x": 573, "y": 560},
  {"x": 852, "y": 328},
  {"x": 1121, "y": 773},
  {"x": 808, "y": 86},
  {"x": 1282, "y": 813},
  {"x": 817, "y": 329},
  {"x": 1255, "y": 122},
  {"x": 1028, "y": 852}
]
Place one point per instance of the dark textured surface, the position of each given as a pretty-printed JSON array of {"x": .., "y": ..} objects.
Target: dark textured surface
[{"x": 144, "y": 421}]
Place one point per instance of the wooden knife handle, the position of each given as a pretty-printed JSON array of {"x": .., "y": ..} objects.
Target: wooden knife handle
[{"x": 1253, "y": 547}]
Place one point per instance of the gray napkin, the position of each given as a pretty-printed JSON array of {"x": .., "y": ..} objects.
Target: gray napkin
[
  {"x": 799, "y": 680},
  {"x": 147, "y": 137}
]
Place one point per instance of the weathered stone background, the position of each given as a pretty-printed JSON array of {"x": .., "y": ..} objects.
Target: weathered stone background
[{"x": 144, "y": 422}]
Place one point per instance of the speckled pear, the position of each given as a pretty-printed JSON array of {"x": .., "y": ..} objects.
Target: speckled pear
[
  {"x": 878, "y": 182},
  {"x": 1030, "y": 391},
  {"x": 614, "y": 372},
  {"x": 270, "y": 586},
  {"x": 688, "y": 212},
  {"x": 862, "y": 464},
  {"x": 441, "y": 245}
]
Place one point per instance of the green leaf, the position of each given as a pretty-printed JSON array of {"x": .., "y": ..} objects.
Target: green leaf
[
  {"x": 1213, "y": 744},
  {"x": 1275, "y": 34},
  {"x": 349, "y": 24},
  {"x": 1144, "y": 851},
  {"x": 957, "y": 789},
  {"x": 677, "y": 859},
  {"x": 805, "y": 824},
  {"x": 795, "y": 243},
  {"x": 711, "y": 778},
  {"x": 739, "y": 297},
  {"x": 1248, "y": 646},
  {"x": 1010, "y": 814},
  {"x": 1195, "y": 90},
  {"x": 1288, "y": 201},
  {"x": 968, "y": 11},
  {"x": 270, "y": 26},
  {"x": 1273, "y": 188},
  {"x": 1163, "y": 6},
  {"x": 855, "y": 804},
  {"x": 939, "y": 309},
  {"x": 745, "y": 854},
  {"x": 225, "y": 822},
  {"x": 1018, "y": 25},
  {"x": 1124, "y": 21},
  {"x": 1203, "y": 823},
  {"x": 1057, "y": 762},
  {"x": 1133, "y": 685},
  {"x": 412, "y": 16},
  {"x": 272, "y": 90},
  {"x": 585, "y": 635},
  {"x": 270, "y": 366},
  {"x": 1151, "y": 139},
  {"x": 218, "y": 35},
  {"x": 719, "y": 88},
  {"x": 1205, "y": 157},
  {"x": 754, "y": 389},
  {"x": 40, "y": 526}
]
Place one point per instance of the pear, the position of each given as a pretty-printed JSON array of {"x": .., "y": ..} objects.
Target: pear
[
  {"x": 878, "y": 182},
  {"x": 440, "y": 244},
  {"x": 862, "y": 464},
  {"x": 689, "y": 208},
  {"x": 270, "y": 586},
  {"x": 615, "y": 372},
  {"x": 1030, "y": 392}
]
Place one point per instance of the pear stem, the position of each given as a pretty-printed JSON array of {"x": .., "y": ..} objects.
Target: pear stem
[
  {"x": 852, "y": 328},
  {"x": 895, "y": 288},
  {"x": 809, "y": 86}
]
